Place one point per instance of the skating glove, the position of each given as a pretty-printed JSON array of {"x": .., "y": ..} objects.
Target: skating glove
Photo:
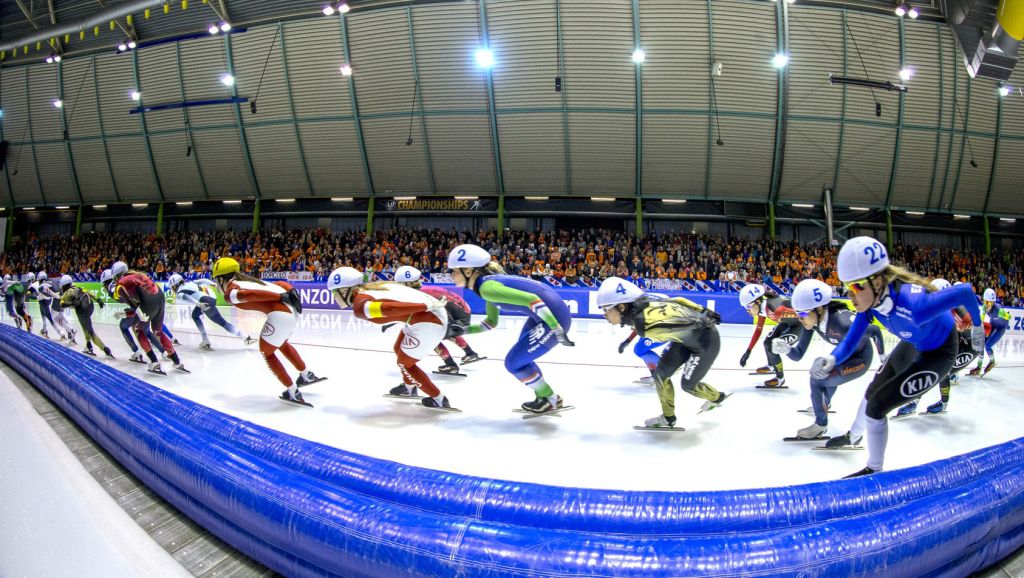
[
  {"x": 454, "y": 330},
  {"x": 438, "y": 305},
  {"x": 141, "y": 315},
  {"x": 204, "y": 306},
  {"x": 291, "y": 298},
  {"x": 780, "y": 347},
  {"x": 978, "y": 338},
  {"x": 822, "y": 367},
  {"x": 712, "y": 316},
  {"x": 743, "y": 360},
  {"x": 100, "y": 303},
  {"x": 562, "y": 338},
  {"x": 625, "y": 344}
]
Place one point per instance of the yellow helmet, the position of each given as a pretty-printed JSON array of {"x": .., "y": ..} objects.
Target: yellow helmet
[{"x": 225, "y": 265}]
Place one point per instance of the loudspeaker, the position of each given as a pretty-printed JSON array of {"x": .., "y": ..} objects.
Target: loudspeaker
[{"x": 4, "y": 145}]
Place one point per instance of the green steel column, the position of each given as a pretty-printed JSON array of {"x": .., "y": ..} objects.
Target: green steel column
[
  {"x": 160, "y": 220},
  {"x": 781, "y": 43},
  {"x": 256, "y": 217},
  {"x": 771, "y": 220},
  {"x": 355, "y": 109},
  {"x": 32, "y": 137},
  {"x": 291, "y": 107},
  {"x": 988, "y": 235},
  {"x": 711, "y": 101},
  {"x": 952, "y": 133},
  {"x": 842, "y": 120},
  {"x": 899, "y": 122},
  {"x": 188, "y": 122},
  {"x": 485, "y": 38},
  {"x": 99, "y": 119},
  {"x": 64, "y": 127},
  {"x": 938, "y": 126},
  {"x": 238, "y": 118},
  {"x": 639, "y": 217},
  {"x": 888, "y": 229},
  {"x": 964, "y": 145},
  {"x": 501, "y": 215},
  {"x": 565, "y": 99},
  {"x": 419, "y": 101},
  {"x": 638, "y": 85},
  {"x": 78, "y": 220},
  {"x": 145, "y": 129},
  {"x": 369, "y": 217}
]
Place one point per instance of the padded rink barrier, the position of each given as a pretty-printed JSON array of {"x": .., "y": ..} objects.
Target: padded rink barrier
[{"x": 304, "y": 509}]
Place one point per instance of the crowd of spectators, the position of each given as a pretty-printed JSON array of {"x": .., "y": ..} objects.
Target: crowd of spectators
[{"x": 571, "y": 257}]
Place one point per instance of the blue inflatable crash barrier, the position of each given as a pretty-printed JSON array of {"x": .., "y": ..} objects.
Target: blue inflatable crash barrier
[{"x": 304, "y": 509}]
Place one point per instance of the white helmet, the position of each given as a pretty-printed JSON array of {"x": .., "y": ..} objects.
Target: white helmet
[
  {"x": 106, "y": 276},
  {"x": 28, "y": 277},
  {"x": 989, "y": 295},
  {"x": 175, "y": 280},
  {"x": 66, "y": 280},
  {"x": 860, "y": 258},
  {"x": 407, "y": 274},
  {"x": 42, "y": 276},
  {"x": 343, "y": 277},
  {"x": 940, "y": 284},
  {"x": 7, "y": 277},
  {"x": 958, "y": 283},
  {"x": 751, "y": 293},
  {"x": 809, "y": 294},
  {"x": 615, "y": 290},
  {"x": 468, "y": 256},
  {"x": 119, "y": 268}
]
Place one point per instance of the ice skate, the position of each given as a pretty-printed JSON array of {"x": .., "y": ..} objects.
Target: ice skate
[
  {"x": 165, "y": 357},
  {"x": 646, "y": 380},
  {"x": 403, "y": 391},
  {"x": 181, "y": 367},
  {"x": 449, "y": 369},
  {"x": 813, "y": 432},
  {"x": 660, "y": 423},
  {"x": 991, "y": 365},
  {"x": 248, "y": 340},
  {"x": 843, "y": 442},
  {"x": 89, "y": 351},
  {"x": 774, "y": 383},
  {"x": 975, "y": 372},
  {"x": 293, "y": 397},
  {"x": 175, "y": 341},
  {"x": 763, "y": 370},
  {"x": 431, "y": 403},
  {"x": 865, "y": 472},
  {"x": 108, "y": 353},
  {"x": 137, "y": 357},
  {"x": 906, "y": 411},
  {"x": 936, "y": 408},
  {"x": 307, "y": 378},
  {"x": 471, "y": 357},
  {"x": 204, "y": 345},
  {"x": 44, "y": 333},
  {"x": 810, "y": 410},
  {"x": 543, "y": 406},
  {"x": 154, "y": 367},
  {"x": 710, "y": 405}
]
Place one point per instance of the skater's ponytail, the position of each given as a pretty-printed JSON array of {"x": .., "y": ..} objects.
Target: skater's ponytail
[
  {"x": 894, "y": 273},
  {"x": 493, "y": 268},
  {"x": 239, "y": 276}
]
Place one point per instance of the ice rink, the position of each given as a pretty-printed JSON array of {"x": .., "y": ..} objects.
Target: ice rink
[{"x": 738, "y": 445}]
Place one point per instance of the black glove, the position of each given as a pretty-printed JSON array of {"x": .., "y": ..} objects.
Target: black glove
[
  {"x": 712, "y": 316},
  {"x": 100, "y": 303},
  {"x": 292, "y": 298},
  {"x": 455, "y": 330},
  {"x": 625, "y": 344},
  {"x": 384, "y": 328},
  {"x": 743, "y": 360}
]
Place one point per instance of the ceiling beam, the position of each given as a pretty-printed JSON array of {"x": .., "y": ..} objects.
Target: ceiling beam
[
  {"x": 130, "y": 32},
  {"x": 27, "y": 13},
  {"x": 419, "y": 101},
  {"x": 238, "y": 119},
  {"x": 899, "y": 120},
  {"x": 291, "y": 107},
  {"x": 53, "y": 13}
]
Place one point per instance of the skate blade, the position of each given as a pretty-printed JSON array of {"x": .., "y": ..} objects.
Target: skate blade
[
  {"x": 295, "y": 402},
  {"x": 900, "y": 417},
  {"x": 90, "y": 353},
  {"x": 800, "y": 439},
  {"x": 838, "y": 449},
  {"x": 656, "y": 428},
  {"x": 772, "y": 386},
  {"x": 554, "y": 412},
  {"x": 157, "y": 371},
  {"x": 137, "y": 361},
  {"x": 181, "y": 370},
  {"x": 473, "y": 361},
  {"x": 811, "y": 412},
  {"x": 930, "y": 413},
  {"x": 317, "y": 380},
  {"x": 452, "y": 409},
  {"x": 758, "y": 373},
  {"x": 451, "y": 374},
  {"x": 404, "y": 397}
]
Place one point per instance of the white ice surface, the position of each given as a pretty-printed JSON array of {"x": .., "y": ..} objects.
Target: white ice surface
[
  {"x": 736, "y": 446},
  {"x": 55, "y": 519}
]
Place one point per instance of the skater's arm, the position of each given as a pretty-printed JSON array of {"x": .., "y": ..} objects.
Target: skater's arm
[
  {"x": 186, "y": 297},
  {"x": 874, "y": 333},
  {"x": 687, "y": 303},
  {"x": 489, "y": 322},
  {"x": 757, "y": 333},
  {"x": 495, "y": 292},
  {"x": 849, "y": 344},
  {"x": 388, "y": 310},
  {"x": 930, "y": 305},
  {"x": 798, "y": 350}
]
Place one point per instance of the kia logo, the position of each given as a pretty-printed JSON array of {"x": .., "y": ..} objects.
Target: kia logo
[
  {"x": 790, "y": 338},
  {"x": 963, "y": 359},
  {"x": 410, "y": 342},
  {"x": 918, "y": 383}
]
